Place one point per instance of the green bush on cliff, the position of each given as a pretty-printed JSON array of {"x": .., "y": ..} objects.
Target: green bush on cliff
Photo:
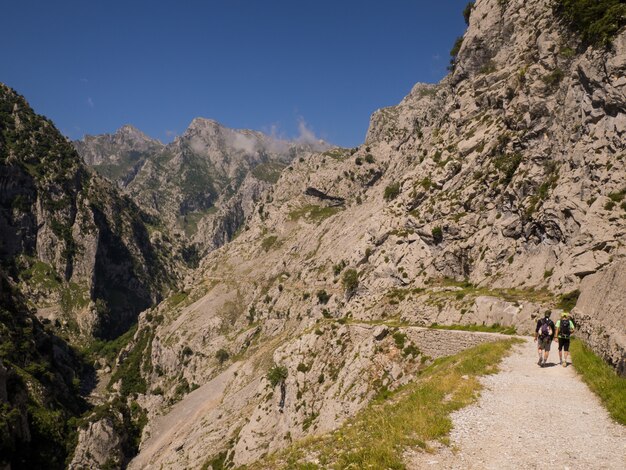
[
  {"x": 350, "y": 279},
  {"x": 596, "y": 21}
]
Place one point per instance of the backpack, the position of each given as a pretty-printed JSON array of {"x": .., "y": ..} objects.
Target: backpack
[
  {"x": 564, "y": 330},
  {"x": 545, "y": 328}
]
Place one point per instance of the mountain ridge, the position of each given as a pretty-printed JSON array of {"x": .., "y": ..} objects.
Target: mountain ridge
[{"x": 482, "y": 200}]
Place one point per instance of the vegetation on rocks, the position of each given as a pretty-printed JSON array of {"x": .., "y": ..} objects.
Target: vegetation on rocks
[
  {"x": 391, "y": 192},
  {"x": 413, "y": 415},
  {"x": 40, "y": 378},
  {"x": 495, "y": 328},
  {"x": 596, "y": 21},
  {"x": 602, "y": 379},
  {"x": 276, "y": 375}
]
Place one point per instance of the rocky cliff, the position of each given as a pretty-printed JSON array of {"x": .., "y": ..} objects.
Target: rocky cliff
[
  {"x": 82, "y": 254},
  {"x": 203, "y": 185},
  {"x": 484, "y": 199},
  {"x": 118, "y": 156},
  {"x": 40, "y": 393}
]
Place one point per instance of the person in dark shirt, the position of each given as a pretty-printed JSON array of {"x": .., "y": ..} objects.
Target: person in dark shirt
[{"x": 544, "y": 335}]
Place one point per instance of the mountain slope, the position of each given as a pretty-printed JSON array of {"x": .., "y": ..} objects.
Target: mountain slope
[
  {"x": 40, "y": 397},
  {"x": 203, "y": 184},
  {"x": 484, "y": 199},
  {"x": 81, "y": 253}
]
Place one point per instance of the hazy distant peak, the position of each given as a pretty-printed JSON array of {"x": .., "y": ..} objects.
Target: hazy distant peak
[
  {"x": 201, "y": 123},
  {"x": 129, "y": 131}
]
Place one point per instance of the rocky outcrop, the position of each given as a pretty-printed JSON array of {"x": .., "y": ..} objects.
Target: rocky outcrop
[
  {"x": 479, "y": 200},
  {"x": 200, "y": 185},
  {"x": 599, "y": 314},
  {"x": 118, "y": 156},
  {"x": 39, "y": 387},
  {"x": 68, "y": 237},
  {"x": 98, "y": 446}
]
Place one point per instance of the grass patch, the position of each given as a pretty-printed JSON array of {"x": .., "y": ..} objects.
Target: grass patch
[
  {"x": 109, "y": 350},
  {"x": 408, "y": 417},
  {"x": 314, "y": 213},
  {"x": 189, "y": 222},
  {"x": 495, "y": 328},
  {"x": 269, "y": 242},
  {"x": 268, "y": 172},
  {"x": 541, "y": 296},
  {"x": 601, "y": 379}
]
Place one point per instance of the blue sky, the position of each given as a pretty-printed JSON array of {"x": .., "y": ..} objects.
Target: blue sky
[{"x": 93, "y": 66}]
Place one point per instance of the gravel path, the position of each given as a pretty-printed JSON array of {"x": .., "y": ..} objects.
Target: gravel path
[{"x": 531, "y": 418}]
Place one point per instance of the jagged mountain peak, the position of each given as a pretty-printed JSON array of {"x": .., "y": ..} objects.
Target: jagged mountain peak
[
  {"x": 199, "y": 123},
  {"x": 129, "y": 131}
]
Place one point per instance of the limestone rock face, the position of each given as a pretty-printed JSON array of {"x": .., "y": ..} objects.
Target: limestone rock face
[
  {"x": 599, "y": 313},
  {"x": 71, "y": 241},
  {"x": 118, "y": 156},
  {"x": 478, "y": 200},
  {"x": 98, "y": 445},
  {"x": 203, "y": 184}
]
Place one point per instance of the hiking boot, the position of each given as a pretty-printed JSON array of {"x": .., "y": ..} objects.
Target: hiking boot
[{"x": 539, "y": 362}]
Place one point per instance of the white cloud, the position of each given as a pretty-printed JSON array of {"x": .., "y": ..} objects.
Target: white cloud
[
  {"x": 306, "y": 134},
  {"x": 243, "y": 142},
  {"x": 90, "y": 102},
  {"x": 198, "y": 145}
]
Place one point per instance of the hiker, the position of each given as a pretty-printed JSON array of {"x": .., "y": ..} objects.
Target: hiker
[
  {"x": 544, "y": 333},
  {"x": 564, "y": 329}
]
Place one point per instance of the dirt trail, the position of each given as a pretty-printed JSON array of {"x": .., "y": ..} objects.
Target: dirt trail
[{"x": 531, "y": 417}]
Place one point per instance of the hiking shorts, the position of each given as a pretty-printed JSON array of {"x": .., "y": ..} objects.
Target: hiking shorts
[
  {"x": 544, "y": 343},
  {"x": 564, "y": 344}
]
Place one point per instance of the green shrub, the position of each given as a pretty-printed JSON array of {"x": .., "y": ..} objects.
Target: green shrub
[
  {"x": 400, "y": 339},
  {"x": 276, "y": 375},
  {"x": 467, "y": 12},
  {"x": 456, "y": 47},
  {"x": 323, "y": 297},
  {"x": 437, "y": 233},
  {"x": 618, "y": 196},
  {"x": 337, "y": 268},
  {"x": 392, "y": 191},
  {"x": 222, "y": 355},
  {"x": 568, "y": 301},
  {"x": 553, "y": 78},
  {"x": 350, "y": 280},
  {"x": 507, "y": 164},
  {"x": 596, "y": 21},
  {"x": 269, "y": 242}
]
